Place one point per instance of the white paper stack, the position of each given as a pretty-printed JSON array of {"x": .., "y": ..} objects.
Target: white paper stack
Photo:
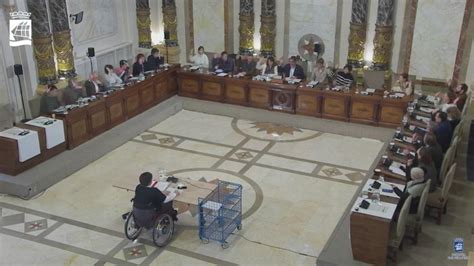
[
  {"x": 395, "y": 168},
  {"x": 54, "y": 131},
  {"x": 385, "y": 185},
  {"x": 28, "y": 144}
]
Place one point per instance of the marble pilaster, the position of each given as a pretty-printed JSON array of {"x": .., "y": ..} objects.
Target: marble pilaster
[
  {"x": 462, "y": 42},
  {"x": 358, "y": 31},
  {"x": 62, "y": 38},
  {"x": 42, "y": 42},
  {"x": 383, "y": 40},
  {"x": 246, "y": 27},
  {"x": 268, "y": 27}
]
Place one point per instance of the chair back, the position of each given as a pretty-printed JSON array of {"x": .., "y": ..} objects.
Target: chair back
[
  {"x": 402, "y": 218},
  {"x": 423, "y": 198},
  {"x": 454, "y": 145},
  {"x": 448, "y": 181},
  {"x": 374, "y": 79},
  {"x": 445, "y": 164}
]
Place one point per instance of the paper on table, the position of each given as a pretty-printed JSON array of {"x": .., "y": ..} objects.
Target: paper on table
[
  {"x": 395, "y": 168},
  {"x": 170, "y": 197},
  {"x": 293, "y": 80},
  {"x": 422, "y": 118},
  {"x": 427, "y": 110},
  {"x": 54, "y": 131},
  {"x": 369, "y": 90},
  {"x": 385, "y": 185},
  {"x": 401, "y": 95},
  {"x": 384, "y": 210},
  {"x": 162, "y": 185},
  {"x": 222, "y": 74}
]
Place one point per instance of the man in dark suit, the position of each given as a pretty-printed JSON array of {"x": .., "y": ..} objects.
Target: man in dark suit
[
  {"x": 293, "y": 70},
  {"x": 154, "y": 60},
  {"x": 443, "y": 130},
  {"x": 93, "y": 85},
  {"x": 225, "y": 63}
]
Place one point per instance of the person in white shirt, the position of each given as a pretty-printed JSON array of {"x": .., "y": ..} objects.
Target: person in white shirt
[
  {"x": 403, "y": 85},
  {"x": 200, "y": 59},
  {"x": 111, "y": 78}
]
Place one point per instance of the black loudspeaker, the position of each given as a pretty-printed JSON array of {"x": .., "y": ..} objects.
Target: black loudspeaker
[
  {"x": 90, "y": 52},
  {"x": 167, "y": 35},
  {"x": 18, "y": 69}
]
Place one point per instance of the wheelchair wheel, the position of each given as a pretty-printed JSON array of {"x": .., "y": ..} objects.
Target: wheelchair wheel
[
  {"x": 132, "y": 229},
  {"x": 163, "y": 230}
]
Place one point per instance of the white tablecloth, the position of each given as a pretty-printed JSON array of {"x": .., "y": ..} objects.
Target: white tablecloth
[
  {"x": 28, "y": 145},
  {"x": 54, "y": 131}
]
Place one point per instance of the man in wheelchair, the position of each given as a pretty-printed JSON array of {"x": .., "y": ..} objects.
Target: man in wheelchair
[{"x": 149, "y": 202}]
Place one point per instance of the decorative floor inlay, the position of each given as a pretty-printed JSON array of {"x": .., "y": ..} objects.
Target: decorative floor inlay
[
  {"x": 274, "y": 129},
  {"x": 168, "y": 140},
  {"x": 268, "y": 160},
  {"x": 135, "y": 252}
]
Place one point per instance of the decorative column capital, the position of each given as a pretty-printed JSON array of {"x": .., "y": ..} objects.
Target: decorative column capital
[{"x": 358, "y": 33}]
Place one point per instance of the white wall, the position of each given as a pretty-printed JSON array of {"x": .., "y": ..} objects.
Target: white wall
[
  {"x": 209, "y": 26},
  {"x": 435, "y": 41},
  {"x": 316, "y": 17}
]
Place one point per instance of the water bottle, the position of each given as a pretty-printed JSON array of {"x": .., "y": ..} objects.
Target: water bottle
[{"x": 375, "y": 197}]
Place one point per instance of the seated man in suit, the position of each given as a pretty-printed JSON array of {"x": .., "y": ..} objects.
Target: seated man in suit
[
  {"x": 49, "y": 100},
  {"x": 225, "y": 63},
  {"x": 442, "y": 130},
  {"x": 293, "y": 70},
  {"x": 149, "y": 200},
  {"x": 248, "y": 66},
  {"x": 344, "y": 78},
  {"x": 154, "y": 60},
  {"x": 72, "y": 92},
  {"x": 93, "y": 85}
]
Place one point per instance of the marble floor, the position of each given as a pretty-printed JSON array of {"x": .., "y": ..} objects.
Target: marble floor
[{"x": 296, "y": 185}]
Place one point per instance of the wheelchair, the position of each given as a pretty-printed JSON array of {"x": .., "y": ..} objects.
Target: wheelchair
[{"x": 161, "y": 223}]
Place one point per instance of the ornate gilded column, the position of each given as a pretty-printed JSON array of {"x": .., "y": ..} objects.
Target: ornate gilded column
[
  {"x": 170, "y": 21},
  {"x": 42, "y": 42},
  {"x": 62, "y": 38},
  {"x": 143, "y": 23},
  {"x": 246, "y": 27},
  {"x": 383, "y": 35},
  {"x": 170, "y": 49},
  {"x": 357, "y": 34},
  {"x": 268, "y": 28}
]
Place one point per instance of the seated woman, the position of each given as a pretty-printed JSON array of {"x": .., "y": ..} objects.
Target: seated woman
[
  {"x": 111, "y": 78},
  {"x": 139, "y": 65},
  {"x": 149, "y": 200},
  {"x": 403, "y": 85},
  {"x": 200, "y": 59},
  {"x": 49, "y": 100},
  {"x": 423, "y": 160},
  {"x": 414, "y": 187},
  {"x": 319, "y": 73},
  {"x": 454, "y": 116},
  {"x": 270, "y": 67}
]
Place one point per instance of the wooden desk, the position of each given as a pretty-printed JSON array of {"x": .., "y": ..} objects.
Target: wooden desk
[
  {"x": 365, "y": 108},
  {"x": 10, "y": 157},
  {"x": 115, "y": 108},
  {"x": 97, "y": 117},
  {"x": 336, "y": 105},
  {"x": 77, "y": 126},
  {"x": 392, "y": 111},
  {"x": 295, "y": 99},
  {"x": 45, "y": 152}
]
